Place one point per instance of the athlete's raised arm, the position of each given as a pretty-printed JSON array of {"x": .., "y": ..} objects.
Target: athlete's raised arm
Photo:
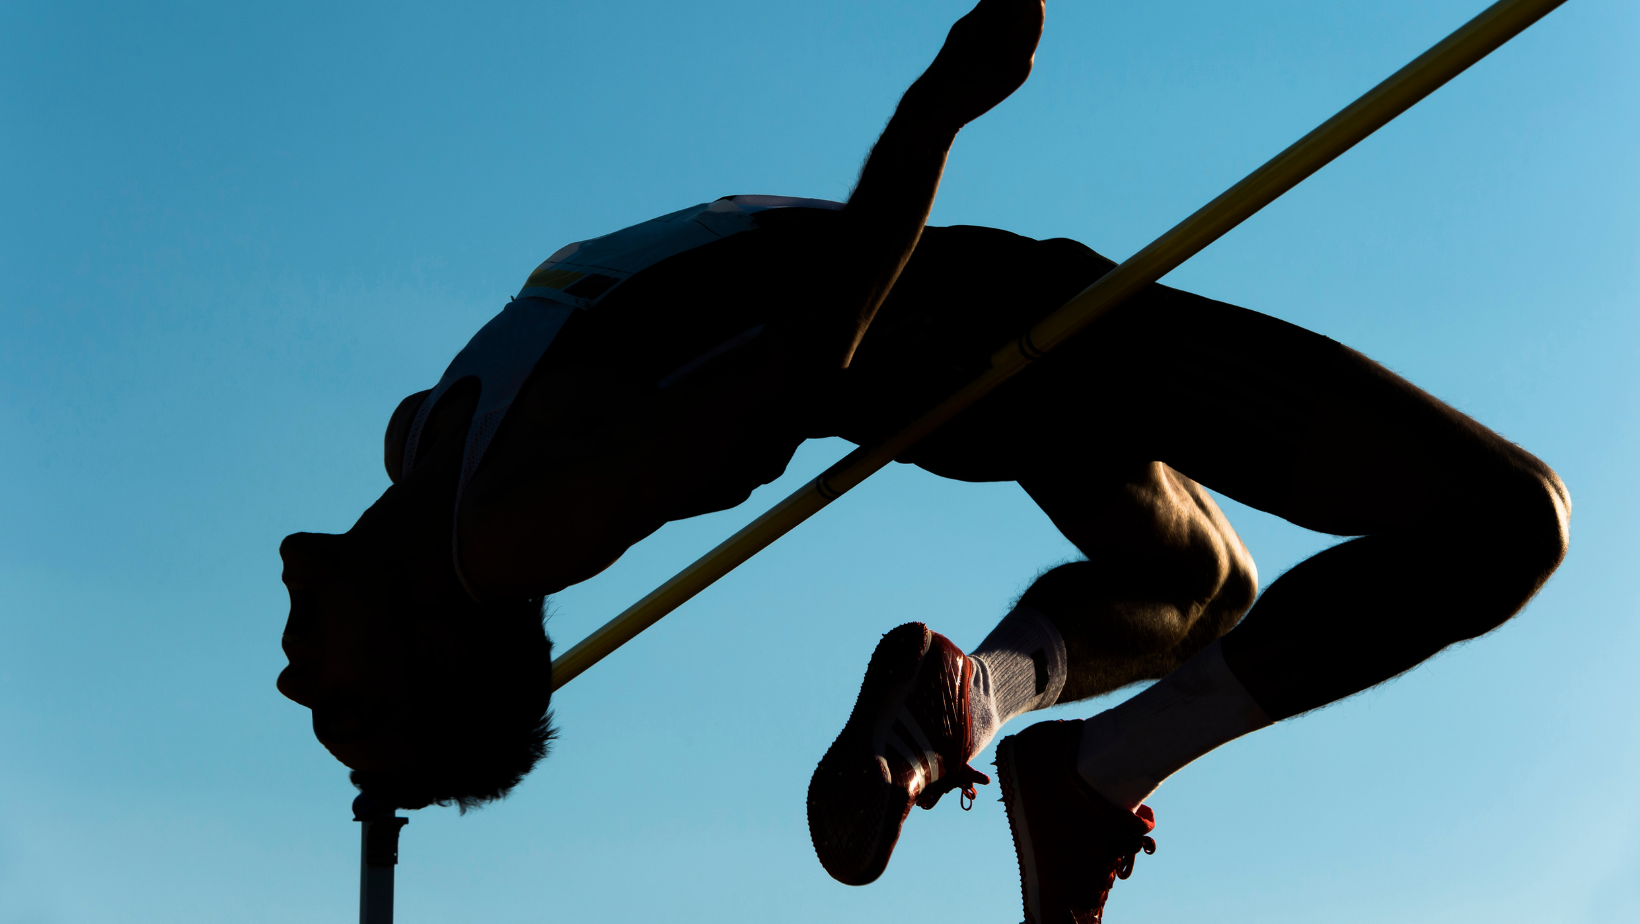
[{"x": 986, "y": 57}]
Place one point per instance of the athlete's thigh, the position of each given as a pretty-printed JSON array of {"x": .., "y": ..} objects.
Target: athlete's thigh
[
  {"x": 966, "y": 291},
  {"x": 1225, "y": 395},
  {"x": 1382, "y": 454},
  {"x": 1275, "y": 416}
]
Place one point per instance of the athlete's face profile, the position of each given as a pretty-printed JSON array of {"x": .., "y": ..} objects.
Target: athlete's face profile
[{"x": 348, "y": 651}]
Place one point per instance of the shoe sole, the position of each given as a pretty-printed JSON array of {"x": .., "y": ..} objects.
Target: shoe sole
[
  {"x": 855, "y": 811},
  {"x": 1013, "y": 799}
]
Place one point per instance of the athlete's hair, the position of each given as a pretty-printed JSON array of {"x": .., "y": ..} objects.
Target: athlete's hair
[{"x": 481, "y": 720}]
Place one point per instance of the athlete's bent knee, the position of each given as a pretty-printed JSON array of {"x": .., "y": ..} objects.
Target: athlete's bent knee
[
  {"x": 1535, "y": 519},
  {"x": 1514, "y": 548}
]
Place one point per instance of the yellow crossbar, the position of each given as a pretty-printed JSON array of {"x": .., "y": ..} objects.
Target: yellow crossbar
[{"x": 1477, "y": 38}]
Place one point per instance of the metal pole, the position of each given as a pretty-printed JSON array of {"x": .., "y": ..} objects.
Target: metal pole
[
  {"x": 378, "y": 854},
  {"x": 1473, "y": 41}
]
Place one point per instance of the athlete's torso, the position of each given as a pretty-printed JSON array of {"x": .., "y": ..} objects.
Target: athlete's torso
[
  {"x": 562, "y": 294},
  {"x": 579, "y": 277}
]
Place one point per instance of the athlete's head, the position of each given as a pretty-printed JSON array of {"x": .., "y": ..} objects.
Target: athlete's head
[{"x": 428, "y": 696}]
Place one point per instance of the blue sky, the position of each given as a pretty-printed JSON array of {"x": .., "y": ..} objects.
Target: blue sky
[{"x": 235, "y": 235}]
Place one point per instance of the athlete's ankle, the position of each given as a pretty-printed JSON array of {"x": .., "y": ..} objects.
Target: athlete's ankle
[
  {"x": 1020, "y": 667},
  {"x": 1126, "y": 752}
]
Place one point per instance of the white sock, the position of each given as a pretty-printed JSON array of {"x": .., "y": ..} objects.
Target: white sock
[
  {"x": 1128, "y": 751},
  {"x": 1019, "y": 667}
]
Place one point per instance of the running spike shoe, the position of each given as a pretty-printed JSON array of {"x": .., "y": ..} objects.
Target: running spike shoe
[
  {"x": 1073, "y": 844},
  {"x": 907, "y": 741}
]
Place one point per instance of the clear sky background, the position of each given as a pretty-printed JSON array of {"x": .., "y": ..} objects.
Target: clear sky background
[{"x": 233, "y": 235}]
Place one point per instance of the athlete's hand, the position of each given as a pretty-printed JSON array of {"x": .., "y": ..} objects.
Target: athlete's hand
[{"x": 986, "y": 57}]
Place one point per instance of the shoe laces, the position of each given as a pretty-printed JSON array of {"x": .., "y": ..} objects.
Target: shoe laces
[
  {"x": 1121, "y": 868},
  {"x": 1124, "y": 868},
  {"x": 963, "y": 778}
]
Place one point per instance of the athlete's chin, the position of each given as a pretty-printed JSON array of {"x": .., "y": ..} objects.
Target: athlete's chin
[{"x": 296, "y": 685}]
